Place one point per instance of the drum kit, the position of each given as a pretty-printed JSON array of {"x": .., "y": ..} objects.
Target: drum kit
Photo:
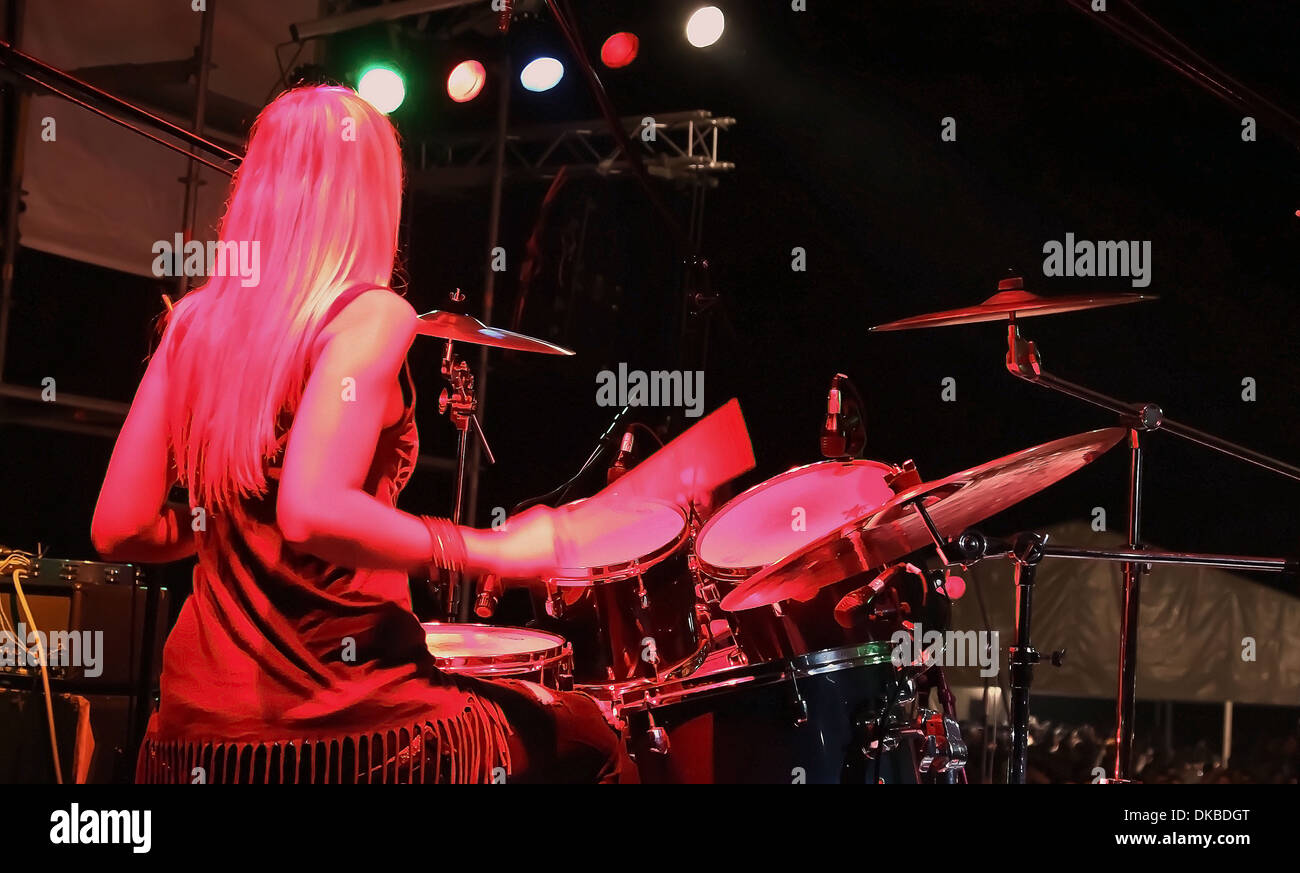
[{"x": 758, "y": 642}]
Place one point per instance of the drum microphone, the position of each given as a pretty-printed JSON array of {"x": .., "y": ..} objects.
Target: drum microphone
[
  {"x": 844, "y": 430},
  {"x": 876, "y": 601},
  {"x": 833, "y": 437},
  {"x": 619, "y": 467},
  {"x": 485, "y": 605}
]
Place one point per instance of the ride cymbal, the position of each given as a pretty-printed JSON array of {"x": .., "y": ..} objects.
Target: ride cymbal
[{"x": 1013, "y": 302}]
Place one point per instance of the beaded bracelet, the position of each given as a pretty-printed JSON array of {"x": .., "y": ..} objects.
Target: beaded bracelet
[{"x": 449, "y": 552}]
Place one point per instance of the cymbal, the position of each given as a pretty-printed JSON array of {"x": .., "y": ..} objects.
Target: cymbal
[
  {"x": 897, "y": 529},
  {"x": 1013, "y": 302},
  {"x": 468, "y": 329}
]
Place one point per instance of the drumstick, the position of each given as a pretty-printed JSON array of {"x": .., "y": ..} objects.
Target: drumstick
[{"x": 709, "y": 454}]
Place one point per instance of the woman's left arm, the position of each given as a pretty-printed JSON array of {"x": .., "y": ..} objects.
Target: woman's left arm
[{"x": 133, "y": 520}]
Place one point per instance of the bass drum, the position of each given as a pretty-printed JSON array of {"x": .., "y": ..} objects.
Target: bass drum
[
  {"x": 807, "y": 720},
  {"x": 773, "y": 520}
]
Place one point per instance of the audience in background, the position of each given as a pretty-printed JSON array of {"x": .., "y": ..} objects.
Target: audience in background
[{"x": 1060, "y": 753}]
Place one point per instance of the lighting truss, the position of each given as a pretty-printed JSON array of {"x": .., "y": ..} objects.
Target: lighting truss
[{"x": 684, "y": 147}]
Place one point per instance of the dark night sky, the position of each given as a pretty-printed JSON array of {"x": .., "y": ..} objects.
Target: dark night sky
[{"x": 1061, "y": 127}]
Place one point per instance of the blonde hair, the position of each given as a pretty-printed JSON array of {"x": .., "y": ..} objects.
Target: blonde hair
[{"x": 319, "y": 192}]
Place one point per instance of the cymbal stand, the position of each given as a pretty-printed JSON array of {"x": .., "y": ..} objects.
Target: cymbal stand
[
  {"x": 1024, "y": 362},
  {"x": 1027, "y": 550},
  {"x": 459, "y": 403}
]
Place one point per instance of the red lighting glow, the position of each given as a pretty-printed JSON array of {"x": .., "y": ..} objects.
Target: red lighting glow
[
  {"x": 466, "y": 81},
  {"x": 619, "y": 50}
]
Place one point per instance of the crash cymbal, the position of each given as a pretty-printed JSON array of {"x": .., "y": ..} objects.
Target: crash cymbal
[
  {"x": 468, "y": 329},
  {"x": 1013, "y": 302},
  {"x": 897, "y": 529}
]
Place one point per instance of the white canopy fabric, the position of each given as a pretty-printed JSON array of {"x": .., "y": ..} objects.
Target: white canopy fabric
[
  {"x": 1205, "y": 635},
  {"x": 99, "y": 193}
]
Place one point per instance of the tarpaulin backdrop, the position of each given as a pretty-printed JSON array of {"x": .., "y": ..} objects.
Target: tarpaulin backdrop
[
  {"x": 98, "y": 192},
  {"x": 1194, "y": 637}
]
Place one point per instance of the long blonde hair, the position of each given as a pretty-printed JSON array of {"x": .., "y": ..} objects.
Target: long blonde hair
[{"x": 319, "y": 192}]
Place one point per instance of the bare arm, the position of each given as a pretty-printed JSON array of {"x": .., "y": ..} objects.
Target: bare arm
[
  {"x": 322, "y": 507},
  {"x": 133, "y": 520}
]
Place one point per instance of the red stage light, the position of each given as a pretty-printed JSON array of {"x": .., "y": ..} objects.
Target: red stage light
[
  {"x": 466, "y": 81},
  {"x": 619, "y": 50}
]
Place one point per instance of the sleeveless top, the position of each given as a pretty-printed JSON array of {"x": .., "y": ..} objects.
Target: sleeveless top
[{"x": 284, "y": 667}]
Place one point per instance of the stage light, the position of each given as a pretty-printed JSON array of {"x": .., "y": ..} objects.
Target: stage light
[
  {"x": 619, "y": 50},
  {"x": 542, "y": 74},
  {"x": 466, "y": 81},
  {"x": 705, "y": 26},
  {"x": 382, "y": 88}
]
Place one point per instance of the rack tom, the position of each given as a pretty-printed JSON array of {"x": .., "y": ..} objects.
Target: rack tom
[
  {"x": 628, "y": 605},
  {"x": 773, "y": 520}
]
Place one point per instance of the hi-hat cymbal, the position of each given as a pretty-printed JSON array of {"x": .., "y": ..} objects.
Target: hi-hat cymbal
[
  {"x": 468, "y": 329},
  {"x": 897, "y": 529},
  {"x": 1013, "y": 302}
]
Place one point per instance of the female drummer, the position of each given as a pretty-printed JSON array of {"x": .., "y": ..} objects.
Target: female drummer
[{"x": 284, "y": 405}]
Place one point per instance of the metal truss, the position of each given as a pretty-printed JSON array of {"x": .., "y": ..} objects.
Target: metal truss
[{"x": 677, "y": 146}]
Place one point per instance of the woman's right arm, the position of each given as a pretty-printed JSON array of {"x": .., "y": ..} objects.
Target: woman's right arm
[{"x": 322, "y": 506}]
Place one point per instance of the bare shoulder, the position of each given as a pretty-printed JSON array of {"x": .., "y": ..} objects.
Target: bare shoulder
[
  {"x": 378, "y": 319},
  {"x": 380, "y": 307}
]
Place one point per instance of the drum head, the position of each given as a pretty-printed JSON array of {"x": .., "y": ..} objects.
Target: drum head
[
  {"x": 622, "y": 540},
  {"x": 777, "y": 518},
  {"x": 475, "y": 645}
]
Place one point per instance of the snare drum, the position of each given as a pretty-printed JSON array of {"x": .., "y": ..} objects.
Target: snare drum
[
  {"x": 806, "y": 720},
  {"x": 487, "y": 652},
  {"x": 771, "y": 521},
  {"x": 628, "y": 606}
]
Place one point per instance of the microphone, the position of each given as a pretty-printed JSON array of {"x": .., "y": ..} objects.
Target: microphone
[
  {"x": 606, "y": 440},
  {"x": 877, "y": 602},
  {"x": 485, "y": 605},
  {"x": 844, "y": 430},
  {"x": 619, "y": 467},
  {"x": 834, "y": 439},
  {"x": 504, "y": 14}
]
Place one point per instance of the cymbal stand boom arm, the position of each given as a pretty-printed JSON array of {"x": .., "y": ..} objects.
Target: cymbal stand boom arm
[{"x": 1023, "y": 362}]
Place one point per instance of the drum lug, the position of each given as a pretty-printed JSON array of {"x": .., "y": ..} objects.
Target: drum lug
[
  {"x": 555, "y": 604},
  {"x": 704, "y": 622},
  {"x": 736, "y": 658},
  {"x": 657, "y": 737},
  {"x": 707, "y": 592}
]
